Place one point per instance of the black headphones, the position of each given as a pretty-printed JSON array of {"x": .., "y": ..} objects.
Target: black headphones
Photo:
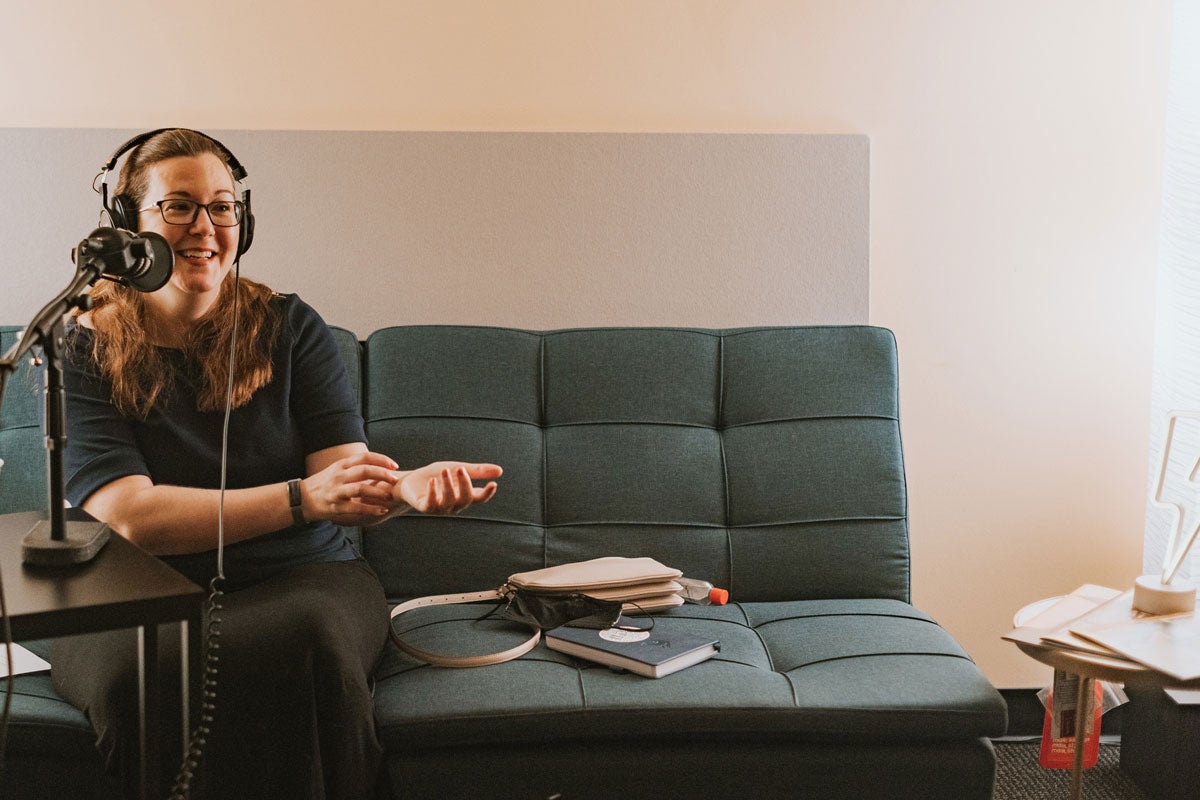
[{"x": 123, "y": 211}]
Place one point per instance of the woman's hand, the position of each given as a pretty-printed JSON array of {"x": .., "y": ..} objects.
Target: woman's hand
[
  {"x": 445, "y": 487},
  {"x": 356, "y": 490}
]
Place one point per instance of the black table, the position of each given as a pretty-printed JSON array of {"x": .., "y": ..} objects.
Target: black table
[{"x": 122, "y": 587}]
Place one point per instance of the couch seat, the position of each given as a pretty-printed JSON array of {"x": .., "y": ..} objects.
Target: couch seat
[{"x": 869, "y": 670}]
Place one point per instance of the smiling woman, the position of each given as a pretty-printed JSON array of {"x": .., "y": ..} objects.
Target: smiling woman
[
  {"x": 157, "y": 383},
  {"x": 184, "y": 165},
  {"x": 177, "y": 189}
]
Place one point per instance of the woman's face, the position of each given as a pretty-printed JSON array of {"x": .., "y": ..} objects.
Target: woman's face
[{"x": 203, "y": 252}]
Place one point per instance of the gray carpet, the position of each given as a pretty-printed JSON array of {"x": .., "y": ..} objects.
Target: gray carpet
[{"x": 1020, "y": 777}]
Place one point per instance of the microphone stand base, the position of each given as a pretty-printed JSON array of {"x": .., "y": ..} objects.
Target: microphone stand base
[{"x": 82, "y": 542}]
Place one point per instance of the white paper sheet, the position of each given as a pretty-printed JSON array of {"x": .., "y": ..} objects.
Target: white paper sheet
[{"x": 23, "y": 661}]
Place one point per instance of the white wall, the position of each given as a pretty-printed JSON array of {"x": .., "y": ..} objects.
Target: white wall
[
  {"x": 1015, "y": 182},
  {"x": 1176, "y": 368}
]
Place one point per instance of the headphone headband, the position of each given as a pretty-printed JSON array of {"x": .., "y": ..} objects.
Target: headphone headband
[
  {"x": 235, "y": 166},
  {"x": 121, "y": 212}
]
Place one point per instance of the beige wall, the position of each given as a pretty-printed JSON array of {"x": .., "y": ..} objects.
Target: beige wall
[{"x": 1015, "y": 178}]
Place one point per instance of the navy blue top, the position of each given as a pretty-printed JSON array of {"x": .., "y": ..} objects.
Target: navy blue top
[{"x": 308, "y": 405}]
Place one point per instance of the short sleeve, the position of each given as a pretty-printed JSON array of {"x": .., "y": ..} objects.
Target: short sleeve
[{"x": 324, "y": 404}]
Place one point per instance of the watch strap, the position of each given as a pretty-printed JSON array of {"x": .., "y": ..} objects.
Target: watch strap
[{"x": 294, "y": 500}]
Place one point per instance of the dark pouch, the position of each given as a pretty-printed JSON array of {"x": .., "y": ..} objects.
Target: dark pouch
[{"x": 549, "y": 611}]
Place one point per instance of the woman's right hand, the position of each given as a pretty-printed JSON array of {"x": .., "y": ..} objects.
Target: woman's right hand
[{"x": 356, "y": 490}]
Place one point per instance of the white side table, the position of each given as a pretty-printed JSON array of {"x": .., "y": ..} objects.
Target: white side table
[{"x": 1090, "y": 668}]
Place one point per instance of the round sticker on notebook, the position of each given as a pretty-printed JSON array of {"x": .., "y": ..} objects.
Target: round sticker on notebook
[{"x": 618, "y": 635}]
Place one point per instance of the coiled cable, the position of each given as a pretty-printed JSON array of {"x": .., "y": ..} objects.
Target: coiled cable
[{"x": 198, "y": 737}]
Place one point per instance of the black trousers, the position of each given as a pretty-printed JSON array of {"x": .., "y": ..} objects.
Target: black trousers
[{"x": 293, "y": 717}]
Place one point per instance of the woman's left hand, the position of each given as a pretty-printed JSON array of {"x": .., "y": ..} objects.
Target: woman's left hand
[{"x": 446, "y": 487}]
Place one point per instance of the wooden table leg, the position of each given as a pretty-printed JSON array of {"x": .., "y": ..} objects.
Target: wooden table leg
[{"x": 1083, "y": 714}]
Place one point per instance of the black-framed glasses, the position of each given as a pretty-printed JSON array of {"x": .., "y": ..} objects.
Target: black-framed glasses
[{"x": 177, "y": 211}]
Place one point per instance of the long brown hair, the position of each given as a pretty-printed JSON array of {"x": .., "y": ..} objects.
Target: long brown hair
[{"x": 123, "y": 345}]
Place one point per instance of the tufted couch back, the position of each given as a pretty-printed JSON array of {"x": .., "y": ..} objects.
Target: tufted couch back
[
  {"x": 767, "y": 460},
  {"x": 23, "y": 478}
]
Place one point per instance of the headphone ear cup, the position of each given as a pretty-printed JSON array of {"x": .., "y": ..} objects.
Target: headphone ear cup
[
  {"x": 246, "y": 233},
  {"x": 123, "y": 213}
]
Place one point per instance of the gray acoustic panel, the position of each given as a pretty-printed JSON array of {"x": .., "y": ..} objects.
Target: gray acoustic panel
[{"x": 536, "y": 230}]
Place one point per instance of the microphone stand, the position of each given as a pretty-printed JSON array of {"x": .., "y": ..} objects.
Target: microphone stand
[{"x": 56, "y": 542}]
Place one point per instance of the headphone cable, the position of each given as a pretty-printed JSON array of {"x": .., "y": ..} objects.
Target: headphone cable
[
  {"x": 199, "y": 735},
  {"x": 225, "y": 425}
]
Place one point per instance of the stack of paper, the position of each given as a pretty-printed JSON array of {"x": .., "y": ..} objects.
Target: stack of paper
[
  {"x": 1100, "y": 621},
  {"x": 1169, "y": 643},
  {"x": 1049, "y": 628}
]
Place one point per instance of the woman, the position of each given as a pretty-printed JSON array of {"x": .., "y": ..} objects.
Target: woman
[{"x": 304, "y": 621}]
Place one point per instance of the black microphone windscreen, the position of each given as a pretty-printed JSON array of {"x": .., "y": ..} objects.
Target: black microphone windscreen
[{"x": 162, "y": 262}]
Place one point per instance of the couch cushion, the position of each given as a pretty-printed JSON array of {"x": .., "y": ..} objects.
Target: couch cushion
[
  {"x": 51, "y": 752},
  {"x": 23, "y": 476},
  {"x": 766, "y": 460},
  {"x": 41, "y": 721},
  {"x": 827, "y": 670}
]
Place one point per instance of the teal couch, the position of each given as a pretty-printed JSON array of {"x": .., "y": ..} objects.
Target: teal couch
[{"x": 765, "y": 460}]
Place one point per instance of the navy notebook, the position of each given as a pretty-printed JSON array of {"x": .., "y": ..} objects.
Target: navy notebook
[{"x": 664, "y": 649}]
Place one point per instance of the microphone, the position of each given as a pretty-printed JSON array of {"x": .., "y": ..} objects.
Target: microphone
[{"x": 141, "y": 260}]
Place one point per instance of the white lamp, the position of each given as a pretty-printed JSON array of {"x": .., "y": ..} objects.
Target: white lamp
[{"x": 1162, "y": 594}]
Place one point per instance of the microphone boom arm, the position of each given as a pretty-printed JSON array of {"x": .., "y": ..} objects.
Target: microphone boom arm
[
  {"x": 57, "y": 542},
  {"x": 40, "y": 327}
]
